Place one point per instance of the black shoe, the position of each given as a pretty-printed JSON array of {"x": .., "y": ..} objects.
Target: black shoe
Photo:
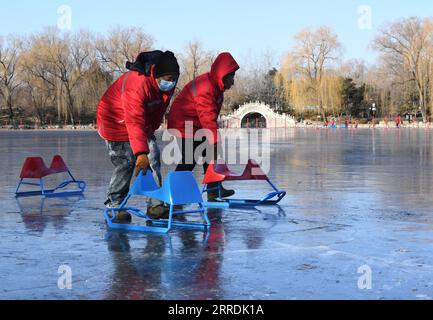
[
  {"x": 225, "y": 193},
  {"x": 213, "y": 195},
  {"x": 121, "y": 217},
  {"x": 158, "y": 212}
]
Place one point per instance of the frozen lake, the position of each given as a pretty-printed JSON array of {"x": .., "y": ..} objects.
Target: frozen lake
[{"x": 355, "y": 198}]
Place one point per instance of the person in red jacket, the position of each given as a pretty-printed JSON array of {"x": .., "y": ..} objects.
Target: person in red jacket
[
  {"x": 129, "y": 113},
  {"x": 198, "y": 107},
  {"x": 398, "y": 122}
]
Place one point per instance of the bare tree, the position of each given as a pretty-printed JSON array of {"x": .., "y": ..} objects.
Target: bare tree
[
  {"x": 195, "y": 60},
  {"x": 10, "y": 51},
  {"x": 355, "y": 69},
  {"x": 39, "y": 92},
  {"x": 308, "y": 68},
  {"x": 122, "y": 45},
  {"x": 36, "y": 73},
  {"x": 61, "y": 61},
  {"x": 405, "y": 46}
]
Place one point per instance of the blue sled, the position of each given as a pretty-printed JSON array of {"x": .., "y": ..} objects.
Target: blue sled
[{"x": 179, "y": 189}]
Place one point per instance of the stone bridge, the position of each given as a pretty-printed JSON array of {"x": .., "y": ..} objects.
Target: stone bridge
[{"x": 256, "y": 115}]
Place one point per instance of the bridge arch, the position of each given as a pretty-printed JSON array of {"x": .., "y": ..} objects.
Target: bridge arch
[
  {"x": 254, "y": 120},
  {"x": 262, "y": 112}
]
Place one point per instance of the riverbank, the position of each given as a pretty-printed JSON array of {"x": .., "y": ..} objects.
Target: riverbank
[
  {"x": 49, "y": 128},
  {"x": 381, "y": 125},
  {"x": 369, "y": 126}
]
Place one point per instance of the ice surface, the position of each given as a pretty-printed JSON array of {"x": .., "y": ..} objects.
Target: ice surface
[{"x": 355, "y": 197}]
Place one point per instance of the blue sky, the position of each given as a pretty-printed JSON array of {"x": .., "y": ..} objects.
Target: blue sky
[{"x": 243, "y": 27}]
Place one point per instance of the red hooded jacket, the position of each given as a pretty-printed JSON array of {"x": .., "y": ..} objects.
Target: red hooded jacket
[
  {"x": 131, "y": 110},
  {"x": 201, "y": 100}
]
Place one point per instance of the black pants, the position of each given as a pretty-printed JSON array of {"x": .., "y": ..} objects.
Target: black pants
[{"x": 189, "y": 147}]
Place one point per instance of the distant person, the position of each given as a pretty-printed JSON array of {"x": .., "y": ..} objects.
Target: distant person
[
  {"x": 199, "y": 105},
  {"x": 398, "y": 122},
  {"x": 129, "y": 113}
]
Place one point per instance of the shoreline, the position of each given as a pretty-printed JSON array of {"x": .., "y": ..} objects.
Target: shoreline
[{"x": 427, "y": 126}]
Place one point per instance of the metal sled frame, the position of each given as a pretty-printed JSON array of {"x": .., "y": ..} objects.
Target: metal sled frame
[
  {"x": 219, "y": 172},
  {"x": 179, "y": 188},
  {"x": 43, "y": 199},
  {"x": 35, "y": 168}
]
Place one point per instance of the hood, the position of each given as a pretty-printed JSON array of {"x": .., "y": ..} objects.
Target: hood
[
  {"x": 223, "y": 65},
  {"x": 144, "y": 62}
]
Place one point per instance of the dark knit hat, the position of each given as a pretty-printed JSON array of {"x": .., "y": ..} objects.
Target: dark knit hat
[{"x": 166, "y": 65}]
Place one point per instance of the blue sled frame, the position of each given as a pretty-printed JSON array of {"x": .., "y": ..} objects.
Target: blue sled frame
[
  {"x": 179, "y": 188},
  {"x": 272, "y": 198},
  {"x": 81, "y": 185}
]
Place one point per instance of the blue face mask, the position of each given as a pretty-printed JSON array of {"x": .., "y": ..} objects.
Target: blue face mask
[{"x": 165, "y": 85}]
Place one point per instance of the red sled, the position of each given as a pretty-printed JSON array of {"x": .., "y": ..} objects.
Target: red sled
[
  {"x": 35, "y": 168},
  {"x": 219, "y": 172}
]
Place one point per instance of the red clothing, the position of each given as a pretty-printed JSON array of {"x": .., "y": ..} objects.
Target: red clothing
[
  {"x": 200, "y": 102},
  {"x": 131, "y": 110}
]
